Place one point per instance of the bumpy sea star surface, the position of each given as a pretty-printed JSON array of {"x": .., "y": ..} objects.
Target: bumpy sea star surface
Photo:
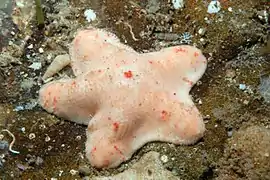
[{"x": 126, "y": 98}]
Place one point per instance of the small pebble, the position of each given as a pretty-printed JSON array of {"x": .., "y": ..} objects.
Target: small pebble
[
  {"x": 164, "y": 158},
  {"x": 4, "y": 145},
  {"x": 60, "y": 173},
  {"x": 1, "y": 136},
  {"x": 245, "y": 102},
  {"x": 30, "y": 46},
  {"x": 42, "y": 126},
  {"x": 214, "y": 7},
  {"x": 21, "y": 167},
  {"x": 30, "y": 159},
  {"x": 199, "y": 83},
  {"x": 47, "y": 138},
  {"x": 35, "y": 65},
  {"x": 86, "y": 178},
  {"x": 90, "y": 15},
  {"x": 39, "y": 161},
  {"x": 230, "y": 73},
  {"x": 84, "y": 170},
  {"x": 78, "y": 138},
  {"x": 32, "y": 136},
  {"x": 49, "y": 57},
  {"x": 73, "y": 172},
  {"x": 178, "y": 4},
  {"x": 230, "y": 133},
  {"x": 50, "y": 148},
  {"x": 201, "y": 31},
  {"x": 40, "y": 50},
  {"x": 242, "y": 86},
  {"x": 1, "y": 164},
  {"x": 202, "y": 40},
  {"x": 23, "y": 129},
  {"x": 206, "y": 117}
]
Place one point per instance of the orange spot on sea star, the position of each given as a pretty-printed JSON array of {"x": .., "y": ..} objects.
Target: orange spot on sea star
[
  {"x": 128, "y": 74},
  {"x": 76, "y": 43},
  {"x": 196, "y": 54},
  {"x": 46, "y": 103},
  {"x": 179, "y": 49},
  {"x": 164, "y": 115},
  {"x": 94, "y": 149},
  {"x": 188, "y": 81},
  {"x": 106, "y": 162},
  {"x": 84, "y": 57},
  {"x": 120, "y": 152},
  {"x": 117, "y": 149},
  {"x": 115, "y": 126},
  {"x": 54, "y": 101},
  {"x": 73, "y": 84}
]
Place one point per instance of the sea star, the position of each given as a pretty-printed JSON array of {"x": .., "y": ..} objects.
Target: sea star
[
  {"x": 149, "y": 167},
  {"x": 126, "y": 98}
]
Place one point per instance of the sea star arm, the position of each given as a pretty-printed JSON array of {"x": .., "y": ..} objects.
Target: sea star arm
[
  {"x": 94, "y": 49},
  {"x": 105, "y": 134},
  {"x": 73, "y": 99},
  {"x": 112, "y": 136},
  {"x": 183, "y": 65}
]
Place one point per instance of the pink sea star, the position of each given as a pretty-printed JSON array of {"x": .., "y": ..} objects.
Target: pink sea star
[{"x": 126, "y": 98}]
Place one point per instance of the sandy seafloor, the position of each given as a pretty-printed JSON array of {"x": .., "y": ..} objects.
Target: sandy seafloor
[{"x": 233, "y": 95}]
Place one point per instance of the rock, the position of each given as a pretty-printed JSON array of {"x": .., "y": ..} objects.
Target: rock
[
  {"x": 25, "y": 13},
  {"x": 264, "y": 87},
  {"x": 27, "y": 83},
  {"x": 3, "y": 145},
  {"x": 1, "y": 164},
  {"x": 153, "y": 6},
  {"x": 178, "y": 4},
  {"x": 6, "y": 24},
  {"x": 2, "y": 78},
  {"x": 84, "y": 170},
  {"x": 6, "y": 59},
  {"x": 39, "y": 161},
  {"x": 30, "y": 159},
  {"x": 247, "y": 155},
  {"x": 149, "y": 167}
]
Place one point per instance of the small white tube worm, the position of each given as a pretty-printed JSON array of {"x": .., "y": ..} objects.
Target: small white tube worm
[{"x": 57, "y": 65}]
